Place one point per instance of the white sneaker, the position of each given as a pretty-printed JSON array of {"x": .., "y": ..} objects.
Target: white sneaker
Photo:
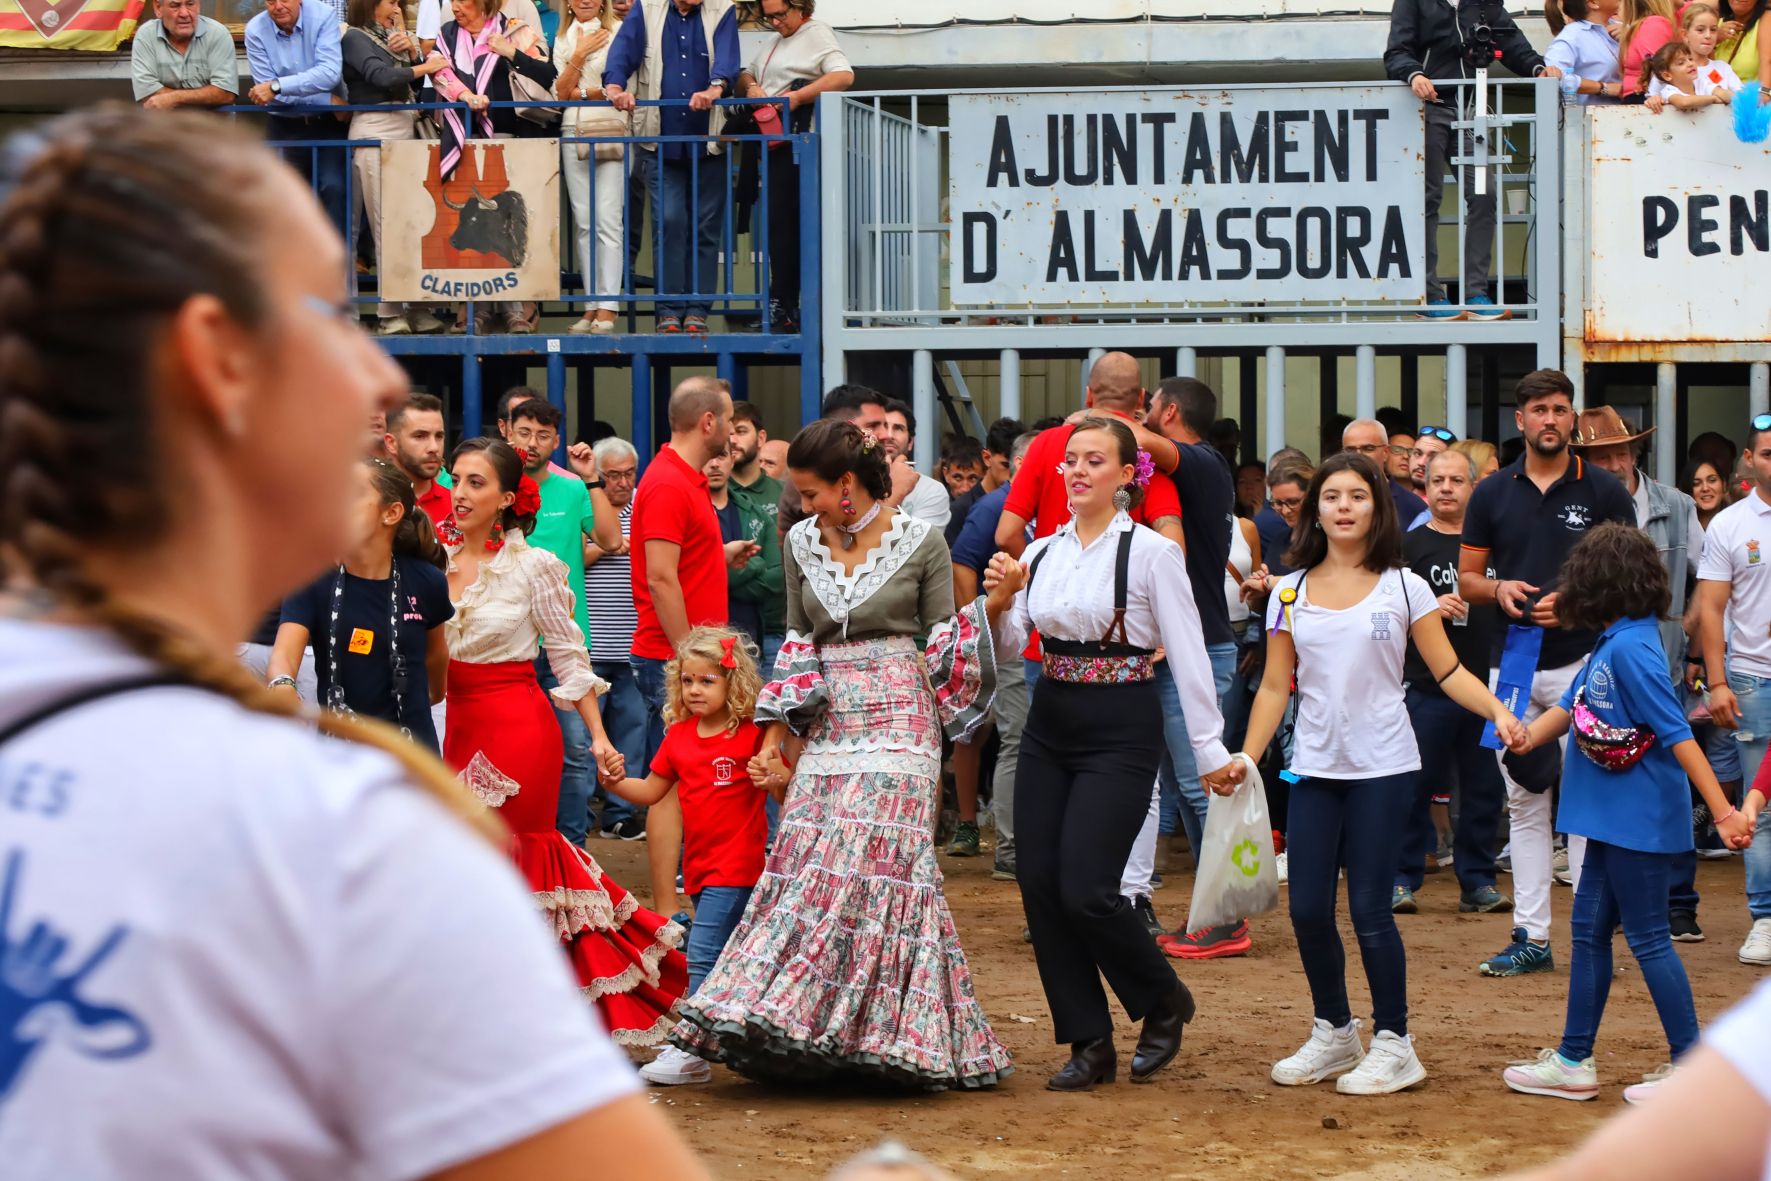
[
  {"x": 395, "y": 326},
  {"x": 1329, "y": 1052},
  {"x": 1552, "y": 1076},
  {"x": 424, "y": 321},
  {"x": 1279, "y": 861},
  {"x": 1389, "y": 1066},
  {"x": 1757, "y": 948},
  {"x": 674, "y": 1067},
  {"x": 1643, "y": 1091}
]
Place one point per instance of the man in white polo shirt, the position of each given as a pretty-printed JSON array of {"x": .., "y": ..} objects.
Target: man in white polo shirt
[{"x": 1735, "y": 576}]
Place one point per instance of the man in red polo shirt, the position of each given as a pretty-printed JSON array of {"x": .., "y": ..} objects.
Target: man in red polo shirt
[
  {"x": 415, "y": 438},
  {"x": 1038, "y": 495},
  {"x": 679, "y": 581}
]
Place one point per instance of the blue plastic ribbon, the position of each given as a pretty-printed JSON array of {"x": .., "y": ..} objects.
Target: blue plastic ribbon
[{"x": 1518, "y": 666}]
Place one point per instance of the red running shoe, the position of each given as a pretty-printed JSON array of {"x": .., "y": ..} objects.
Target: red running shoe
[{"x": 1209, "y": 944}]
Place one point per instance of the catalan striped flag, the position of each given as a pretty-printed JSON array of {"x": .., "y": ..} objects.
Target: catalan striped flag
[{"x": 91, "y": 26}]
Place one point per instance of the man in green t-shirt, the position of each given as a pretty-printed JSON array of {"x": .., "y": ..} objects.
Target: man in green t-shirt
[
  {"x": 761, "y": 494},
  {"x": 561, "y": 526}
]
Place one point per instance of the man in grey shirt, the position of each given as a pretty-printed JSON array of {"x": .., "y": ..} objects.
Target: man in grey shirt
[{"x": 183, "y": 59}]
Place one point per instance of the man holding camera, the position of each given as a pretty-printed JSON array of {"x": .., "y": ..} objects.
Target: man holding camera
[
  {"x": 1437, "y": 39},
  {"x": 1521, "y": 523}
]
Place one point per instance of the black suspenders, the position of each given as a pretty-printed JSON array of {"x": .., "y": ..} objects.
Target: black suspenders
[{"x": 1121, "y": 584}]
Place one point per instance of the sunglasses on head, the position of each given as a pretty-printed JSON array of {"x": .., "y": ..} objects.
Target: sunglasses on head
[
  {"x": 1438, "y": 432},
  {"x": 1761, "y": 422}
]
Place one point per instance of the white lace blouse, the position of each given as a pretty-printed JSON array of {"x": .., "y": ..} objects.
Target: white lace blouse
[{"x": 521, "y": 602}]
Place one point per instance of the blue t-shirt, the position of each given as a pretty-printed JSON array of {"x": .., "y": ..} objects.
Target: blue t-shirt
[
  {"x": 976, "y": 543},
  {"x": 365, "y": 667},
  {"x": 1648, "y": 807}
]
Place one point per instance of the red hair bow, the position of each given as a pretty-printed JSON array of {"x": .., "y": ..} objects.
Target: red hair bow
[
  {"x": 727, "y": 645},
  {"x": 528, "y": 501}
]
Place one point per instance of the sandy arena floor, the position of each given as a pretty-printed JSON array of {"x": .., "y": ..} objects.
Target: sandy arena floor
[{"x": 1214, "y": 1113}]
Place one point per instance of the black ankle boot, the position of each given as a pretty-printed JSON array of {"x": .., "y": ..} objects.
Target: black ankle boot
[
  {"x": 1161, "y": 1037},
  {"x": 1091, "y": 1063}
]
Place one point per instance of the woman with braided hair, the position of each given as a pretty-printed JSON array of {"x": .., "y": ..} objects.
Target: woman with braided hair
[{"x": 233, "y": 947}]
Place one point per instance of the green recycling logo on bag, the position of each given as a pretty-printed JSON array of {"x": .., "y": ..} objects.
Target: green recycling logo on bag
[{"x": 1246, "y": 857}]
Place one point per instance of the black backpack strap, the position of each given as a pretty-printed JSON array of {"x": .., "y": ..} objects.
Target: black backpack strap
[
  {"x": 1121, "y": 585},
  {"x": 85, "y": 696}
]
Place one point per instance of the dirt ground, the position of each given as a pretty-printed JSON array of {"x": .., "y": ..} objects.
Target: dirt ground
[{"x": 1214, "y": 1113}]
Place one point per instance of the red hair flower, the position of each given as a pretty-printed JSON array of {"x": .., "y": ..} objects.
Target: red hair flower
[{"x": 528, "y": 501}]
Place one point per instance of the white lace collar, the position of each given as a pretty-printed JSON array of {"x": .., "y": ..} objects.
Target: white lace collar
[
  {"x": 843, "y": 594},
  {"x": 507, "y": 555}
]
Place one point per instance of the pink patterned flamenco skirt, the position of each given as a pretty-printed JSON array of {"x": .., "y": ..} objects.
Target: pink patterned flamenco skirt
[
  {"x": 846, "y": 961},
  {"x": 504, "y": 740}
]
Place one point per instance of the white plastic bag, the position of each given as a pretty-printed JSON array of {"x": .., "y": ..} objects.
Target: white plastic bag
[{"x": 1237, "y": 876}]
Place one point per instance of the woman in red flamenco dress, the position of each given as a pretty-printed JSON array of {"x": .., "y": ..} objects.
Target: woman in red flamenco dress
[{"x": 502, "y": 737}]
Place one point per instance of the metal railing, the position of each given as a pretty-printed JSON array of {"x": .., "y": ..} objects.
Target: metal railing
[{"x": 736, "y": 292}]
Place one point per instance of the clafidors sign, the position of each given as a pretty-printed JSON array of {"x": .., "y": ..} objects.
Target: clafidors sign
[
  {"x": 1238, "y": 193},
  {"x": 490, "y": 232},
  {"x": 1679, "y": 220}
]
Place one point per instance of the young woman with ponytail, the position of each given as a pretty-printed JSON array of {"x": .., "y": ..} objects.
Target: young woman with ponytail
[
  {"x": 391, "y": 584},
  {"x": 193, "y": 875},
  {"x": 511, "y": 599}
]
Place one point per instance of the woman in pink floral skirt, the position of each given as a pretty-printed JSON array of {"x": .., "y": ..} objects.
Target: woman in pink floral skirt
[{"x": 846, "y": 960}]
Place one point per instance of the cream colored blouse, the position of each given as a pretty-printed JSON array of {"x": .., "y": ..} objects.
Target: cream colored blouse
[{"x": 520, "y": 603}]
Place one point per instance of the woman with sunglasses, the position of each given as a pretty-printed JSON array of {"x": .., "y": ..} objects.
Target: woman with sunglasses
[{"x": 1624, "y": 788}]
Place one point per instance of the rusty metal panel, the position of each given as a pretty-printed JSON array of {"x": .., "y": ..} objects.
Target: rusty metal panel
[
  {"x": 1678, "y": 224},
  {"x": 1102, "y": 198}
]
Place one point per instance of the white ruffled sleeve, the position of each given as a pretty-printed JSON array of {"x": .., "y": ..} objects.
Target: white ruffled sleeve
[{"x": 552, "y": 611}]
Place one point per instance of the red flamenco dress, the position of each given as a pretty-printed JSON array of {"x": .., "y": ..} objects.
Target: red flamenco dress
[{"x": 502, "y": 737}]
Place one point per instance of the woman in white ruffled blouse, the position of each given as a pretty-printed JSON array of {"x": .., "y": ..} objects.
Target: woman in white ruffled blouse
[{"x": 511, "y": 599}]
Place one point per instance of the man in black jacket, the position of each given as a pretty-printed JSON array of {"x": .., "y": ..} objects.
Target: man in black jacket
[{"x": 1438, "y": 39}]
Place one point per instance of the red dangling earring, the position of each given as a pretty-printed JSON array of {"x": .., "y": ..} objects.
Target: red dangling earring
[
  {"x": 495, "y": 542},
  {"x": 846, "y": 505}
]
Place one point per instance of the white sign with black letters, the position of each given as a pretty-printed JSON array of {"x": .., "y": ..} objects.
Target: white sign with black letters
[
  {"x": 1171, "y": 196},
  {"x": 1679, "y": 219}
]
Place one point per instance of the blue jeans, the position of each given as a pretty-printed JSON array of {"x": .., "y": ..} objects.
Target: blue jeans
[
  {"x": 1031, "y": 669},
  {"x": 717, "y": 911},
  {"x": 1357, "y": 823},
  {"x": 1180, "y": 774},
  {"x": 1754, "y": 695},
  {"x": 688, "y": 197},
  {"x": 771, "y": 648},
  {"x": 1624, "y": 887},
  {"x": 576, "y": 780},
  {"x": 648, "y": 677},
  {"x": 624, "y": 717},
  {"x": 1447, "y": 735}
]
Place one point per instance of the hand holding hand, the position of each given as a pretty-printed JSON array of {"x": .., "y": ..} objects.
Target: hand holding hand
[
  {"x": 1511, "y": 730},
  {"x": 1737, "y": 830},
  {"x": 610, "y": 763},
  {"x": 1004, "y": 570},
  {"x": 1227, "y": 778}
]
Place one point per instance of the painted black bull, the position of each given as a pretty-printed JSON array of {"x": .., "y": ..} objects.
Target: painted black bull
[{"x": 499, "y": 226}]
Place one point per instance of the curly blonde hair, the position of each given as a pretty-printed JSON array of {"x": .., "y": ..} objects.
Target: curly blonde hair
[{"x": 743, "y": 683}]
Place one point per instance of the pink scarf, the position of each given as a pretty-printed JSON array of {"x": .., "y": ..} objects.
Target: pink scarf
[{"x": 477, "y": 59}]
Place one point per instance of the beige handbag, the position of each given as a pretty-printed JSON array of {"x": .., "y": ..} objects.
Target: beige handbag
[
  {"x": 602, "y": 121},
  {"x": 526, "y": 89}
]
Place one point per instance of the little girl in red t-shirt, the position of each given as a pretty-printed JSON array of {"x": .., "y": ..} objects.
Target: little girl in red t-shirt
[{"x": 710, "y": 696}]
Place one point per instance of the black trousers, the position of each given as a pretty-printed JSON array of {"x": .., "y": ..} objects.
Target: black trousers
[
  {"x": 783, "y": 214},
  {"x": 1082, "y": 789}
]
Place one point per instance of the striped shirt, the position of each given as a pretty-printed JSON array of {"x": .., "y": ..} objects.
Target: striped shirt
[{"x": 608, "y": 593}]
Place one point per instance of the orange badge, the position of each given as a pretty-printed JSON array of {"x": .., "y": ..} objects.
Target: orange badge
[{"x": 362, "y": 639}]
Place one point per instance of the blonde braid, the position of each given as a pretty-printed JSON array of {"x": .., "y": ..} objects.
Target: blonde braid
[{"x": 76, "y": 421}]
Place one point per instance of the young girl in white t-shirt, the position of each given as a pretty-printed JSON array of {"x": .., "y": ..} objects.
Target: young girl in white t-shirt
[
  {"x": 1341, "y": 623},
  {"x": 1703, "y": 29},
  {"x": 1670, "y": 78},
  {"x": 240, "y": 948}
]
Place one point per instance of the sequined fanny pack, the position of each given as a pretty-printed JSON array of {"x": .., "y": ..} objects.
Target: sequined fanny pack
[
  {"x": 1614, "y": 748},
  {"x": 1099, "y": 670}
]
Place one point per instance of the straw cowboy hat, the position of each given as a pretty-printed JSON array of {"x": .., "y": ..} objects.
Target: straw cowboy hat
[{"x": 1602, "y": 426}]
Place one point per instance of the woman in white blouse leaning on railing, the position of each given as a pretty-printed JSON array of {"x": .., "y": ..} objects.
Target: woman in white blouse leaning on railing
[
  {"x": 593, "y": 173},
  {"x": 510, "y": 599}
]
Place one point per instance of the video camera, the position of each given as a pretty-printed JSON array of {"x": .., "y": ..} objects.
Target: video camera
[{"x": 1480, "y": 51}]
